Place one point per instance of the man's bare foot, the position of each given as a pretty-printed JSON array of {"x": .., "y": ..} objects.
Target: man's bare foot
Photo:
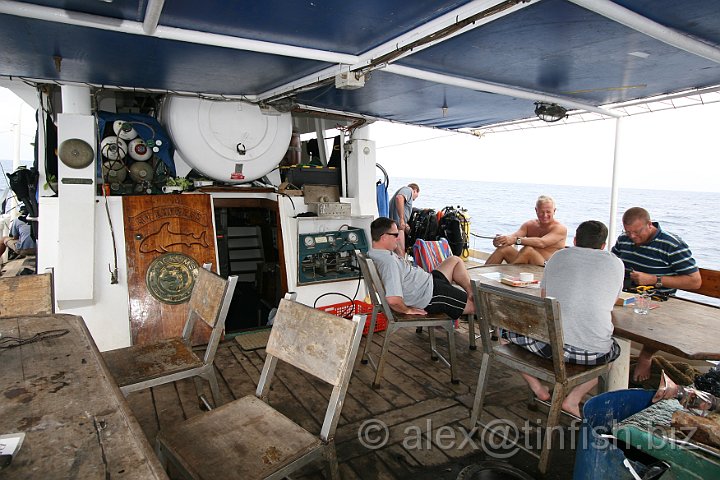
[
  {"x": 571, "y": 408},
  {"x": 542, "y": 393},
  {"x": 642, "y": 368}
]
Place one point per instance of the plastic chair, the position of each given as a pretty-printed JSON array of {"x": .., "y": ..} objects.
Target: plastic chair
[
  {"x": 169, "y": 360},
  {"x": 535, "y": 317},
  {"x": 247, "y": 438},
  {"x": 396, "y": 320}
]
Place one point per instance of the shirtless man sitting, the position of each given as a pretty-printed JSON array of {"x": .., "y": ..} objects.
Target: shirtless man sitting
[{"x": 539, "y": 238}]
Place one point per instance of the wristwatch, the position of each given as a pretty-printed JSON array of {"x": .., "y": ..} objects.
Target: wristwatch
[
  {"x": 518, "y": 241},
  {"x": 658, "y": 281}
]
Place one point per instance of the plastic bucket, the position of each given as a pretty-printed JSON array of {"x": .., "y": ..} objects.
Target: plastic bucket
[{"x": 597, "y": 457}]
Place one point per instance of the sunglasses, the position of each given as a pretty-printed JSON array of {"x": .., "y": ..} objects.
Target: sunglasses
[{"x": 393, "y": 234}]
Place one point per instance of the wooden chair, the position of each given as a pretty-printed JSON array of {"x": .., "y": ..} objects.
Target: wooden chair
[
  {"x": 247, "y": 438},
  {"x": 142, "y": 366},
  {"x": 534, "y": 317},
  {"x": 428, "y": 254},
  {"x": 710, "y": 283},
  {"x": 27, "y": 295},
  {"x": 395, "y": 320}
]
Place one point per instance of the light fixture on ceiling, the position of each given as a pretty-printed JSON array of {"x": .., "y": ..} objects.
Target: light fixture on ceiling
[
  {"x": 349, "y": 80},
  {"x": 550, "y": 112}
]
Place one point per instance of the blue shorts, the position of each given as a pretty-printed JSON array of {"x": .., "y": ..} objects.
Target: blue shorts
[{"x": 445, "y": 297}]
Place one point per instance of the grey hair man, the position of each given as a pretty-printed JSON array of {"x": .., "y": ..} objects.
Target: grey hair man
[{"x": 538, "y": 238}]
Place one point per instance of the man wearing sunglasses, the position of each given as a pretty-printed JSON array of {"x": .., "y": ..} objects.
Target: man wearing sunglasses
[
  {"x": 653, "y": 257},
  {"x": 410, "y": 289}
]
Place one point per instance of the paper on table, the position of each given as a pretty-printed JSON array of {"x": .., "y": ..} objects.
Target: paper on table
[{"x": 492, "y": 276}]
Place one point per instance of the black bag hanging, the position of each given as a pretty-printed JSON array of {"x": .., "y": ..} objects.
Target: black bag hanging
[
  {"x": 452, "y": 226},
  {"x": 423, "y": 224}
]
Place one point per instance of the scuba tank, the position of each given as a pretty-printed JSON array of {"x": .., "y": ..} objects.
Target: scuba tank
[{"x": 454, "y": 225}]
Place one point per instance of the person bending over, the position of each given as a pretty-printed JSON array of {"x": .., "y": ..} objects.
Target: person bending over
[
  {"x": 410, "y": 289},
  {"x": 586, "y": 281},
  {"x": 656, "y": 258},
  {"x": 400, "y": 211},
  {"x": 539, "y": 238}
]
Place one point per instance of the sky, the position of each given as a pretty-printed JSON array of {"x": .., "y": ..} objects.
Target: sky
[
  {"x": 668, "y": 150},
  {"x": 14, "y": 111}
]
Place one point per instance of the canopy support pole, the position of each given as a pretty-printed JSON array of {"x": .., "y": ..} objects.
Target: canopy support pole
[{"x": 612, "y": 234}]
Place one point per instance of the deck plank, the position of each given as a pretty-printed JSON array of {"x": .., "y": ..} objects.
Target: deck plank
[{"x": 414, "y": 391}]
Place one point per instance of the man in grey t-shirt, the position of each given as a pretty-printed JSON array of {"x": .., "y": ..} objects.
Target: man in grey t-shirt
[
  {"x": 586, "y": 280},
  {"x": 410, "y": 289},
  {"x": 400, "y": 211}
]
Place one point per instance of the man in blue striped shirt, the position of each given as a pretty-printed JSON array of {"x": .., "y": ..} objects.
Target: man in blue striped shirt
[{"x": 656, "y": 258}]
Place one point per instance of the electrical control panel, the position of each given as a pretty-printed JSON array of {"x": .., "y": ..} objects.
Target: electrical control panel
[{"x": 329, "y": 256}]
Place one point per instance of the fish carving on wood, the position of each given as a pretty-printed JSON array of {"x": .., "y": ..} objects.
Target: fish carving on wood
[{"x": 164, "y": 238}]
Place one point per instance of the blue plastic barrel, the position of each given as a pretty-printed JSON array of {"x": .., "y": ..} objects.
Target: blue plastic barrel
[{"x": 597, "y": 457}]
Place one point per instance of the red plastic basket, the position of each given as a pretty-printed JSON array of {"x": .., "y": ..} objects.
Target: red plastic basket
[{"x": 348, "y": 309}]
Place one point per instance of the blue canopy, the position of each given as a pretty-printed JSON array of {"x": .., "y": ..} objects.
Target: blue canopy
[{"x": 443, "y": 63}]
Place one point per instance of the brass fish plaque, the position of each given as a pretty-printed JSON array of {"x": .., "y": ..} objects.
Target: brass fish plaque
[{"x": 170, "y": 277}]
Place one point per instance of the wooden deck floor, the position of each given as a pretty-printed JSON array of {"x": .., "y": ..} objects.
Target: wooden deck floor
[{"x": 425, "y": 416}]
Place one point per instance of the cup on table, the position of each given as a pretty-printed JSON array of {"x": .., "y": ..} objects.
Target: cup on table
[
  {"x": 527, "y": 277},
  {"x": 642, "y": 304}
]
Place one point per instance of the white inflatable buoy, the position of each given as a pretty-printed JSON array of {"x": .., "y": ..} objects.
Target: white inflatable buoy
[
  {"x": 139, "y": 150},
  {"x": 229, "y": 141},
  {"x": 124, "y": 130},
  {"x": 113, "y": 148}
]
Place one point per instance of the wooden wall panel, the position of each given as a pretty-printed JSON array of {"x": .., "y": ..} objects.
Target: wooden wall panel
[{"x": 157, "y": 225}]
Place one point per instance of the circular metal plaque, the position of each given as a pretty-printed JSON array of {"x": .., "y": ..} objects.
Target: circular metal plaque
[
  {"x": 170, "y": 277},
  {"x": 76, "y": 153}
]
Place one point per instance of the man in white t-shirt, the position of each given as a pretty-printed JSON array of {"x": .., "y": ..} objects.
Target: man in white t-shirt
[{"x": 586, "y": 280}]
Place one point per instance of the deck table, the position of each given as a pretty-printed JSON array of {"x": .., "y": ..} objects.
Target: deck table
[
  {"x": 680, "y": 327},
  {"x": 76, "y": 422}
]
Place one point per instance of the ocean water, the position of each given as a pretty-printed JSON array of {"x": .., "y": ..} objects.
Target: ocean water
[{"x": 502, "y": 207}]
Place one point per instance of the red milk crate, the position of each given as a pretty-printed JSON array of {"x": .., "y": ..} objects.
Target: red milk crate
[{"x": 348, "y": 309}]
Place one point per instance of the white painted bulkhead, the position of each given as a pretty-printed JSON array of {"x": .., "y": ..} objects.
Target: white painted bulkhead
[{"x": 106, "y": 312}]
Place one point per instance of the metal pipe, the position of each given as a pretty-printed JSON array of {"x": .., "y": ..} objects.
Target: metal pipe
[
  {"x": 419, "y": 38},
  {"x": 612, "y": 235},
  {"x": 644, "y": 25},
  {"x": 76, "y": 99},
  {"x": 152, "y": 16},
  {"x": 495, "y": 88}
]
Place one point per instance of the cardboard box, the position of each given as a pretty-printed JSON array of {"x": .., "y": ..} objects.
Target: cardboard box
[{"x": 625, "y": 298}]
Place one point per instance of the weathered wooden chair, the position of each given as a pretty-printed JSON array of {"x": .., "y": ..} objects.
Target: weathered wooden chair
[
  {"x": 535, "y": 317},
  {"x": 395, "y": 320},
  {"x": 27, "y": 295},
  {"x": 710, "y": 283},
  {"x": 142, "y": 366},
  {"x": 428, "y": 254},
  {"x": 247, "y": 438}
]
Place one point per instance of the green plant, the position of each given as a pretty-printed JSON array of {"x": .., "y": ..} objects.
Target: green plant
[
  {"x": 48, "y": 181},
  {"x": 181, "y": 182}
]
